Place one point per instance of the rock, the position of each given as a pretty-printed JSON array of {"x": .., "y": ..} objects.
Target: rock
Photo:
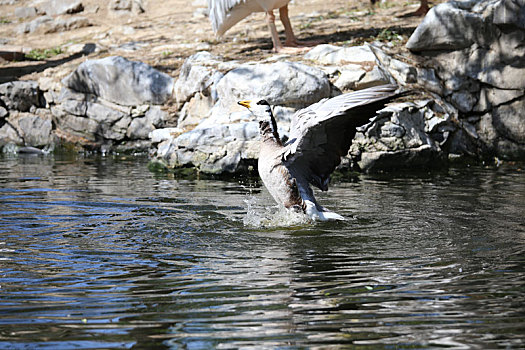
[
  {"x": 197, "y": 75},
  {"x": 464, "y": 100},
  {"x": 330, "y": 54},
  {"x": 76, "y": 129},
  {"x": 71, "y": 23},
  {"x": 350, "y": 74},
  {"x": 39, "y": 23},
  {"x": 140, "y": 128},
  {"x": 375, "y": 77},
  {"x": 196, "y": 109},
  {"x": 121, "y": 81},
  {"x": 46, "y": 83},
  {"x": 61, "y": 7},
  {"x": 463, "y": 29},
  {"x": 219, "y": 149},
  {"x": 479, "y": 59},
  {"x": 26, "y": 12},
  {"x": 399, "y": 137},
  {"x": 9, "y": 135},
  {"x": 281, "y": 83},
  {"x": 399, "y": 70},
  {"x": 413, "y": 133},
  {"x": 28, "y": 129},
  {"x": 85, "y": 49},
  {"x": 92, "y": 120},
  {"x": 492, "y": 97},
  {"x": 495, "y": 72},
  {"x": 426, "y": 77},
  {"x": 501, "y": 132},
  {"x": 509, "y": 14},
  {"x": 358, "y": 65},
  {"x": 480, "y": 49},
  {"x": 129, "y": 6},
  {"x": 509, "y": 121},
  {"x": 21, "y": 95},
  {"x": 102, "y": 106},
  {"x": 111, "y": 124},
  {"x": 47, "y": 24},
  {"x": 159, "y": 135},
  {"x": 285, "y": 85},
  {"x": 78, "y": 108}
]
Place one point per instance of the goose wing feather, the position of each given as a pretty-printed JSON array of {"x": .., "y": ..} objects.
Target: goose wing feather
[{"x": 322, "y": 133}]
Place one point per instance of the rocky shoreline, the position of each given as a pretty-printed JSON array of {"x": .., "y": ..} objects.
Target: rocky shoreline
[{"x": 468, "y": 99}]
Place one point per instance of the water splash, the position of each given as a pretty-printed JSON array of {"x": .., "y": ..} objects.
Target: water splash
[{"x": 258, "y": 215}]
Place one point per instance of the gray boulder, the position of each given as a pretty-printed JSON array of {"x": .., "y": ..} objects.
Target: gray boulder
[
  {"x": 21, "y": 95},
  {"x": 47, "y": 24},
  {"x": 224, "y": 135},
  {"x": 23, "y": 120},
  {"x": 403, "y": 135},
  {"x": 100, "y": 122},
  {"x": 61, "y": 7},
  {"x": 142, "y": 126},
  {"x": 450, "y": 26},
  {"x": 502, "y": 131},
  {"x": 356, "y": 67},
  {"x": 26, "y": 12},
  {"x": 478, "y": 52},
  {"x": 198, "y": 75},
  {"x": 112, "y": 102},
  {"x": 119, "y": 80},
  {"x": 227, "y": 148},
  {"x": 281, "y": 83},
  {"x": 9, "y": 135},
  {"x": 285, "y": 85},
  {"x": 126, "y": 6},
  {"x": 39, "y": 23},
  {"x": 482, "y": 40},
  {"x": 28, "y": 129},
  {"x": 331, "y": 54}
]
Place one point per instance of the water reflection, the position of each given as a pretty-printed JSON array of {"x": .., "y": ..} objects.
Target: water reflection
[{"x": 100, "y": 253}]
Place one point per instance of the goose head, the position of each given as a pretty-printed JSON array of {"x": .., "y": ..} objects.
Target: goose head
[
  {"x": 260, "y": 108},
  {"x": 263, "y": 112}
]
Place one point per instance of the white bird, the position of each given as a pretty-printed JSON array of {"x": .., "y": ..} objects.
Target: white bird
[
  {"x": 320, "y": 135},
  {"x": 224, "y": 14}
]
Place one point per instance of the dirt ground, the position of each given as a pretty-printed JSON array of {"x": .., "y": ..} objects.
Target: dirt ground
[{"x": 169, "y": 31}]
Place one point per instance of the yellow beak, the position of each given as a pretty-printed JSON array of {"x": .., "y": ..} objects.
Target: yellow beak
[{"x": 245, "y": 103}]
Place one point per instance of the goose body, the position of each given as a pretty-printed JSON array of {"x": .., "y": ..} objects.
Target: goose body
[{"x": 320, "y": 135}]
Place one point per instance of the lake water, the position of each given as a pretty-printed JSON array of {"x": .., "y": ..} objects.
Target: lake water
[{"x": 100, "y": 253}]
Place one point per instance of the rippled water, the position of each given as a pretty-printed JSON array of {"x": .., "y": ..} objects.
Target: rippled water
[{"x": 99, "y": 253}]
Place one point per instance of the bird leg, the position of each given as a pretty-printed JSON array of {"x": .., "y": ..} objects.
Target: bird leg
[
  {"x": 270, "y": 21},
  {"x": 291, "y": 45},
  {"x": 291, "y": 40}
]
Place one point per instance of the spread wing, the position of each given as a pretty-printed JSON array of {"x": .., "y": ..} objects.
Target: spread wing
[
  {"x": 322, "y": 133},
  {"x": 224, "y": 14}
]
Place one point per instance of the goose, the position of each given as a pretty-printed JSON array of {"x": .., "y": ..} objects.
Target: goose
[
  {"x": 224, "y": 14},
  {"x": 319, "y": 136}
]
